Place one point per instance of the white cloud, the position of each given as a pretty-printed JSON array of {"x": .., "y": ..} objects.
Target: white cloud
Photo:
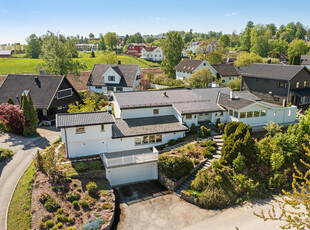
[{"x": 231, "y": 14}]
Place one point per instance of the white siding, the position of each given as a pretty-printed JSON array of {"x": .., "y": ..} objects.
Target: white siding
[
  {"x": 181, "y": 74},
  {"x": 146, "y": 112},
  {"x": 104, "y": 89}
]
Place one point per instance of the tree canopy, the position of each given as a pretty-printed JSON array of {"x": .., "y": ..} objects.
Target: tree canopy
[{"x": 33, "y": 49}]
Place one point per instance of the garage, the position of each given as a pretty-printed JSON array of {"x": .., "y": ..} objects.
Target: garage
[{"x": 132, "y": 173}]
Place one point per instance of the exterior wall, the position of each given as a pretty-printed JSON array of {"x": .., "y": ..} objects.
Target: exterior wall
[
  {"x": 111, "y": 72},
  {"x": 229, "y": 78},
  {"x": 205, "y": 117},
  {"x": 104, "y": 89},
  {"x": 261, "y": 88},
  {"x": 300, "y": 77},
  {"x": 190, "y": 121},
  {"x": 182, "y": 74},
  {"x": 155, "y": 55},
  {"x": 146, "y": 112}
]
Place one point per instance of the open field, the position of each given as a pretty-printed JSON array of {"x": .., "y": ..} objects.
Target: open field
[{"x": 27, "y": 65}]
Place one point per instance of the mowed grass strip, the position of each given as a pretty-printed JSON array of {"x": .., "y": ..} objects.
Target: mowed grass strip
[
  {"x": 27, "y": 65},
  {"x": 19, "y": 216}
]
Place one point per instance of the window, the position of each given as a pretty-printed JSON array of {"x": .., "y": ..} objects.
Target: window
[
  {"x": 235, "y": 114},
  {"x": 98, "y": 87},
  {"x": 266, "y": 80},
  {"x": 64, "y": 93},
  {"x": 249, "y": 114},
  {"x": 155, "y": 111},
  {"x": 281, "y": 84},
  {"x": 111, "y": 78},
  {"x": 263, "y": 113},
  {"x": 102, "y": 128},
  {"x": 159, "y": 138},
  {"x": 297, "y": 84},
  {"x": 110, "y": 88},
  {"x": 242, "y": 115},
  {"x": 188, "y": 116},
  {"x": 276, "y": 99},
  {"x": 289, "y": 113},
  {"x": 138, "y": 140},
  {"x": 119, "y": 89},
  {"x": 152, "y": 139},
  {"x": 145, "y": 139},
  {"x": 274, "y": 113},
  {"x": 59, "y": 107},
  {"x": 204, "y": 64},
  {"x": 305, "y": 83},
  {"x": 230, "y": 112},
  {"x": 256, "y": 113},
  {"x": 80, "y": 129}
]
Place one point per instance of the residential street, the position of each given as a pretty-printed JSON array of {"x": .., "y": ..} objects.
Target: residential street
[{"x": 25, "y": 151}]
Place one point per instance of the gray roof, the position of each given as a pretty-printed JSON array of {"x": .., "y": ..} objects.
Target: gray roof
[
  {"x": 65, "y": 120},
  {"x": 302, "y": 92},
  {"x": 128, "y": 74},
  {"x": 42, "y": 93},
  {"x": 226, "y": 70},
  {"x": 146, "y": 126},
  {"x": 184, "y": 100},
  {"x": 305, "y": 60},
  {"x": 242, "y": 99},
  {"x": 241, "y": 69},
  {"x": 128, "y": 153},
  {"x": 188, "y": 65},
  {"x": 272, "y": 71}
]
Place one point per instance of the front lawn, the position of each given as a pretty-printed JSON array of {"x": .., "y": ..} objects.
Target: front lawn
[{"x": 19, "y": 216}]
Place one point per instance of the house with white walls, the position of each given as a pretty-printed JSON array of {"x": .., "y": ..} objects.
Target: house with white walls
[
  {"x": 152, "y": 53},
  {"x": 142, "y": 120},
  {"x": 193, "y": 46},
  {"x": 226, "y": 72},
  {"x": 187, "y": 67},
  {"x": 107, "y": 78}
]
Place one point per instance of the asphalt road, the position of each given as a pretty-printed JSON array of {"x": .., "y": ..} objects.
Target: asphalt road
[{"x": 10, "y": 172}]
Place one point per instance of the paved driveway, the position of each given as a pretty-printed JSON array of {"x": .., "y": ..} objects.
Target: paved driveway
[
  {"x": 149, "y": 206},
  {"x": 25, "y": 151}
]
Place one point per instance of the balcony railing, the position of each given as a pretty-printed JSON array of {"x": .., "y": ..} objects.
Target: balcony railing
[{"x": 129, "y": 159}]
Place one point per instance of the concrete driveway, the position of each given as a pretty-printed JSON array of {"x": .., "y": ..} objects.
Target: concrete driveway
[
  {"x": 149, "y": 206},
  {"x": 10, "y": 171}
]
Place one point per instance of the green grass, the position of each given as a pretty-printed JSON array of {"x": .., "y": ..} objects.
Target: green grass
[
  {"x": 27, "y": 65},
  {"x": 19, "y": 216}
]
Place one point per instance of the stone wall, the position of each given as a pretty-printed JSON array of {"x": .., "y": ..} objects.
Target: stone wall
[
  {"x": 189, "y": 198},
  {"x": 174, "y": 185}
]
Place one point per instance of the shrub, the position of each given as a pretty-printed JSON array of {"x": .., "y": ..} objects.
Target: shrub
[
  {"x": 74, "y": 184},
  {"x": 92, "y": 189},
  {"x": 49, "y": 223},
  {"x": 71, "y": 228},
  {"x": 84, "y": 203},
  {"x": 172, "y": 142},
  {"x": 72, "y": 196},
  {"x": 180, "y": 139},
  {"x": 215, "y": 164},
  {"x": 75, "y": 203},
  {"x": 5, "y": 153},
  {"x": 59, "y": 225},
  {"x": 220, "y": 128},
  {"x": 107, "y": 205},
  {"x": 42, "y": 225},
  {"x": 60, "y": 211},
  {"x": 79, "y": 189},
  {"x": 207, "y": 154},
  {"x": 218, "y": 121},
  {"x": 95, "y": 165},
  {"x": 51, "y": 205},
  {"x": 196, "y": 161},
  {"x": 80, "y": 167},
  {"x": 192, "y": 129},
  {"x": 239, "y": 162},
  {"x": 44, "y": 197},
  {"x": 206, "y": 143},
  {"x": 61, "y": 218},
  {"x": 230, "y": 128},
  {"x": 204, "y": 132},
  {"x": 3, "y": 127},
  {"x": 175, "y": 167},
  {"x": 54, "y": 188},
  {"x": 210, "y": 148},
  {"x": 93, "y": 224},
  {"x": 71, "y": 220}
]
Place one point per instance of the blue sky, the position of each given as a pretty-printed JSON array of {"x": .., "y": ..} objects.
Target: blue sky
[{"x": 20, "y": 18}]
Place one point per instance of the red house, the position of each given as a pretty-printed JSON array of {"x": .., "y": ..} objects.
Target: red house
[{"x": 134, "y": 49}]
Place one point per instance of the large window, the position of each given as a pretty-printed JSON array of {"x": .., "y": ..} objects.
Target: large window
[
  {"x": 256, "y": 113},
  {"x": 231, "y": 112},
  {"x": 110, "y": 88},
  {"x": 281, "y": 84},
  {"x": 80, "y": 129},
  {"x": 152, "y": 139},
  {"x": 242, "y": 115},
  {"x": 145, "y": 139},
  {"x": 138, "y": 140},
  {"x": 235, "y": 114},
  {"x": 159, "y": 138},
  {"x": 111, "y": 78},
  {"x": 148, "y": 139},
  {"x": 64, "y": 93},
  {"x": 249, "y": 114},
  {"x": 305, "y": 83},
  {"x": 263, "y": 113},
  {"x": 188, "y": 116}
]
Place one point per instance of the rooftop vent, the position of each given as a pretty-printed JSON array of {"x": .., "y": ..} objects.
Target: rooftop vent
[
  {"x": 232, "y": 95},
  {"x": 119, "y": 62}
]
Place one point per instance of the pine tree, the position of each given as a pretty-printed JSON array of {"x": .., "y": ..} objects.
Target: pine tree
[
  {"x": 248, "y": 149},
  {"x": 25, "y": 108},
  {"x": 10, "y": 101},
  {"x": 33, "y": 116}
]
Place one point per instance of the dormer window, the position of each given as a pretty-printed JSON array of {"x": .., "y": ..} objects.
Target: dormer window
[
  {"x": 297, "y": 84},
  {"x": 111, "y": 78},
  {"x": 305, "y": 83}
]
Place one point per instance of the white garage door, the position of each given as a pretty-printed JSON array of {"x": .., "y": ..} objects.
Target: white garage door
[{"x": 133, "y": 173}]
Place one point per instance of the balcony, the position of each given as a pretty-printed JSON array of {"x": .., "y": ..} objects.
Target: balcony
[{"x": 131, "y": 157}]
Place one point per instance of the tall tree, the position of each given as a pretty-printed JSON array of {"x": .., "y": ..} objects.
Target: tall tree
[
  {"x": 295, "y": 49},
  {"x": 108, "y": 57},
  {"x": 33, "y": 49},
  {"x": 248, "y": 59},
  {"x": 58, "y": 55},
  {"x": 135, "y": 38},
  {"x": 31, "y": 117},
  {"x": 201, "y": 78},
  {"x": 110, "y": 40},
  {"x": 224, "y": 40},
  {"x": 91, "y": 36},
  {"x": 101, "y": 44},
  {"x": 149, "y": 39},
  {"x": 172, "y": 47}
]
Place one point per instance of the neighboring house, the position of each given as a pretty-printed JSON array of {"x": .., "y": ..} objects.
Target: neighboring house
[
  {"x": 135, "y": 49},
  {"x": 152, "y": 53},
  {"x": 305, "y": 60},
  {"x": 50, "y": 94},
  {"x": 283, "y": 58},
  {"x": 184, "y": 54},
  {"x": 6, "y": 53},
  {"x": 145, "y": 119},
  {"x": 87, "y": 47},
  {"x": 227, "y": 72},
  {"x": 193, "y": 46},
  {"x": 187, "y": 67},
  {"x": 107, "y": 78},
  {"x": 279, "y": 84}
]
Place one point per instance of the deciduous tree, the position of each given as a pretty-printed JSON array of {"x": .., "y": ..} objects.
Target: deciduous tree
[
  {"x": 33, "y": 49},
  {"x": 201, "y": 78},
  {"x": 110, "y": 40},
  {"x": 247, "y": 59}
]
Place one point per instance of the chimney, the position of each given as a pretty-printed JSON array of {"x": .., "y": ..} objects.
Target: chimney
[
  {"x": 109, "y": 108},
  {"x": 164, "y": 94},
  {"x": 191, "y": 57},
  {"x": 232, "y": 95},
  {"x": 36, "y": 79},
  {"x": 119, "y": 62},
  {"x": 215, "y": 84},
  {"x": 42, "y": 72}
]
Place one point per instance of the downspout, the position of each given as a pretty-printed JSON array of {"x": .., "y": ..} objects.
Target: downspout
[
  {"x": 67, "y": 153},
  {"x": 288, "y": 91}
]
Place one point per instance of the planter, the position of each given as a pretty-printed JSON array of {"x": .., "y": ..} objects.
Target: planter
[{"x": 174, "y": 185}]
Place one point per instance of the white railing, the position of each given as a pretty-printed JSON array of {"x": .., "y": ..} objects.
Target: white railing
[{"x": 132, "y": 159}]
